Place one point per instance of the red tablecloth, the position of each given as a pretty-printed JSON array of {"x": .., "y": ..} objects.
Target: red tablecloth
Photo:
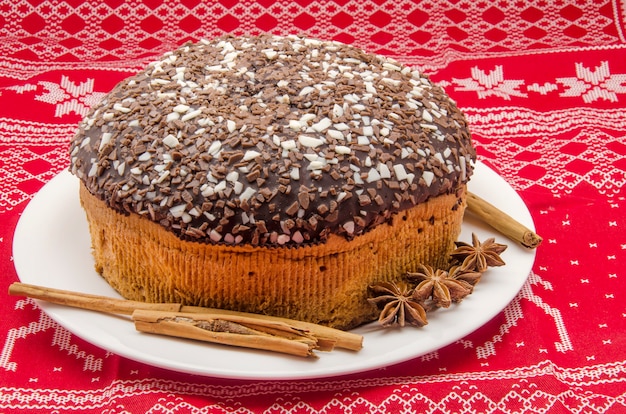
[{"x": 543, "y": 84}]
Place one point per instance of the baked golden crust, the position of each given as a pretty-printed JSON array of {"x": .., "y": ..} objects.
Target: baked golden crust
[{"x": 324, "y": 283}]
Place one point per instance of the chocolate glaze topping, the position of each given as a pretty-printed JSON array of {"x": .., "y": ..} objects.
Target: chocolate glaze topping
[{"x": 272, "y": 141}]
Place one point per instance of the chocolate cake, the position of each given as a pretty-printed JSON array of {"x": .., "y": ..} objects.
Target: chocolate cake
[{"x": 277, "y": 175}]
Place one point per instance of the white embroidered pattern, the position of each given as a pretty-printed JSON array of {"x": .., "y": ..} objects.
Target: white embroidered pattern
[
  {"x": 587, "y": 156},
  {"x": 27, "y": 164},
  {"x": 490, "y": 84},
  {"x": 61, "y": 339},
  {"x": 69, "y": 97},
  {"x": 594, "y": 84},
  {"x": 544, "y": 89},
  {"x": 405, "y": 395},
  {"x": 589, "y": 84},
  {"x": 503, "y": 129},
  {"x": 513, "y": 312},
  {"x": 134, "y": 28}
]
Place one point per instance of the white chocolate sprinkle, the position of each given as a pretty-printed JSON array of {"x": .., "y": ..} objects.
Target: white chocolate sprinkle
[
  {"x": 247, "y": 193},
  {"x": 334, "y": 134},
  {"x": 295, "y": 125},
  {"x": 308, "y": 141},
  {"x": 399, "y": 171},
  {"x": 177, "y": 211},
  {"x": 171, "y": 141},
  {"x": 121, "y": 108},
  {"x": 384, "y": 171},
  {"x": 322, "y": 125},
  {"x": 295, "y": 174},
  {"x": 250, "y": 155},
  {"x": 93, "y": 170},
  {"x": 172, "y": 116},
  {"x": 373, "y": 175},
  {"x": 288, "y": 144},
  {"x": 270, "y": 53},
  {"x": 306, "y": 90},
  {"x": 106, "y": 138},
  {"x": 342, "y": 149},
  {"x": 144, "y": 157},
  {"x": 428, "y": 177},
  {"x": 231, "y": 125},
  {"x": 215, "y": 147},
  {"x": 191, "y": 115},
  {"x": 426, "y": 116},
  {"x": 215, "y": 236}
]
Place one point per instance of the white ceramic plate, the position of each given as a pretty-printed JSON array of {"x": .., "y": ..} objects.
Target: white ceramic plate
[{"x": 52, "y": 248}]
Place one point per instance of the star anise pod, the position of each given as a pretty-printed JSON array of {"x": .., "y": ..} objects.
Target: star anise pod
[
  {"x": 462, "y": 273},
  {"x": 479, "y": 256},
  {"x": 439, "y": 285},
  {"x": 400, "y": 304}
]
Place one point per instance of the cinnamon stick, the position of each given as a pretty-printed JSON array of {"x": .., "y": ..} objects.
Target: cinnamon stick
[
  {"x": 87, "y": 301},
  {"x": 234, "y": 331},
  {"x": 502, "y": 222},
  {"x": 327, "y": 338}
]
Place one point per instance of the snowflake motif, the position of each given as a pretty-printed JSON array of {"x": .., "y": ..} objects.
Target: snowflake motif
[
  {"x": 69, "y": 97},
  {"x": 594, "y": 84},
  {"x": 490, "y": 84}
]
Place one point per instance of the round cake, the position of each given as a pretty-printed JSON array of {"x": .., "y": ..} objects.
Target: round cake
[{"x": 274, "y": 175}]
